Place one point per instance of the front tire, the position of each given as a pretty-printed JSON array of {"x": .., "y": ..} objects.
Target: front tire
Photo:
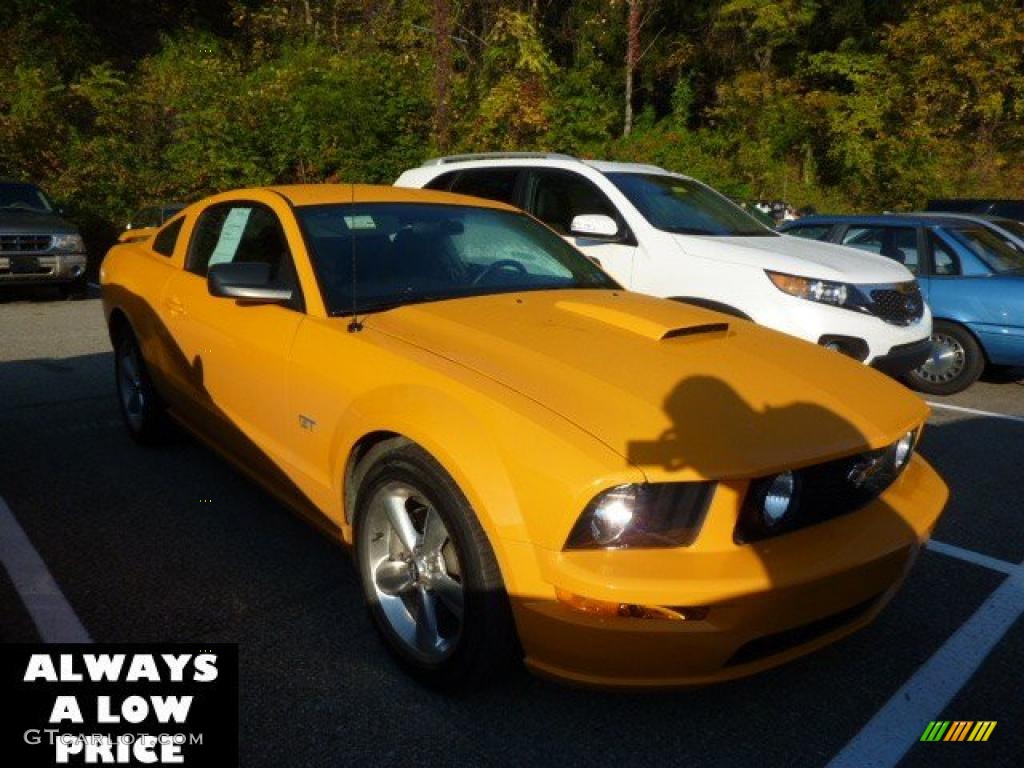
[
  {"x": 955, "y": 363},
  {"x": 142, "y": 410},
  {"x": 429, "y": 573}
]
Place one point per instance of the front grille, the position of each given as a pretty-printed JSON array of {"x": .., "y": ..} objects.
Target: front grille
[
  {"x": 24, "y": 243},
  {"x": 821, "y": 492},
  {"x": 898, "y": 305},
  {"x": 22, "y": 265}
]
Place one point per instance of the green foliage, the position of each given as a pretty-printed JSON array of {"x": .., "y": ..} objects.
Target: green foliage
[
  {"x": 515, "y": 77},
  {"x": 840, "y": 105}
]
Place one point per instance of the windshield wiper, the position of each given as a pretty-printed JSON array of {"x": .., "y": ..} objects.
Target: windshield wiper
[{"x": 384, "y": 306}]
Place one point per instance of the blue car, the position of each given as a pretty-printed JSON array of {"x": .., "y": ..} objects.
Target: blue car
[{"x": 972, "y": 278}]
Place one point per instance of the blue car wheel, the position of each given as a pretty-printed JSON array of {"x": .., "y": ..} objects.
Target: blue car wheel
[{"x": 956, "y": 361}]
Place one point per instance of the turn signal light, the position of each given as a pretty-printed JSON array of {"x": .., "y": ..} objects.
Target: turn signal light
[{"x": 630, "y": 610}]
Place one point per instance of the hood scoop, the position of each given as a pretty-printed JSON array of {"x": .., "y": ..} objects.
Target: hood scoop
[
  {"x": 696, "y": 330},
  {"x": 641, "y": 326}
]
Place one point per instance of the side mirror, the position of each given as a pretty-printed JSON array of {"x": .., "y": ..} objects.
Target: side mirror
[
  {"x": 247, "y": 281},
  {"x": 594, "y": 225}
]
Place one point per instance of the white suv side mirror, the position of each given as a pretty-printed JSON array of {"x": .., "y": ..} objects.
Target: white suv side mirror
[{"x": 593, "y": 225}]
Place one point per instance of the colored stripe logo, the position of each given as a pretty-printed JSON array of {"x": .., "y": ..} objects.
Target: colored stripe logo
[{"x": 958, "y": 730}]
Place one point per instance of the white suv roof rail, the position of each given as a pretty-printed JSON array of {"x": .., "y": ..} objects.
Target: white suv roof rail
[{"x": 499, "y": 156}]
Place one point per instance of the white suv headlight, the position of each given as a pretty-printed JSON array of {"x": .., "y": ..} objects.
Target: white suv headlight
[
  {"x": 72, "y": 243},
  {"x": 821, "y": 291}
]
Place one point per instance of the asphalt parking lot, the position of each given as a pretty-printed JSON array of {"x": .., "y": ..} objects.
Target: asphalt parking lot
[{"x": 172, "y": 544}]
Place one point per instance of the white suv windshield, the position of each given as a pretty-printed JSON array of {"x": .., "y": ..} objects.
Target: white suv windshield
[{"x": 687, "y": 207}]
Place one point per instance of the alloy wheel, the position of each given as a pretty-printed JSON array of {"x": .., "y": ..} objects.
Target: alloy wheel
[{"x": 415, "y": 572}]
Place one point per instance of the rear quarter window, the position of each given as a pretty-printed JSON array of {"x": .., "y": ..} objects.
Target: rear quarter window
[{"x": 167, "y": 238}]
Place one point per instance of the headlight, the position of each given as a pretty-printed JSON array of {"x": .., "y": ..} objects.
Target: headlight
[
  {"x": 821, "y": 291},
  {"x": 73, "y": 243},
  {"x": 648, "y": 515}
]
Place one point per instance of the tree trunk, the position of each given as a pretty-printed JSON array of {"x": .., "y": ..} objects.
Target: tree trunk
[
  {"x": 442, "y": 73},
  {"x": 633, "y": 20}
]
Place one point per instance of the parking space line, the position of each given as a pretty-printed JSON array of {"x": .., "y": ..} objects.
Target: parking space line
[
  {"x": 897, "y": 726},
  {"x": 54, "y": 618},
  {"x": 973, "y": 557},
  {"x": 977, "y": 412}
]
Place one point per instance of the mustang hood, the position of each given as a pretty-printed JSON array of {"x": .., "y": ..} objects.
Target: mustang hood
[{"x": 675, "y": 390}]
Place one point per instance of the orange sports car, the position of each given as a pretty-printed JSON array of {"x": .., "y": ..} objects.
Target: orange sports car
[{"x": 526, "y": 459}]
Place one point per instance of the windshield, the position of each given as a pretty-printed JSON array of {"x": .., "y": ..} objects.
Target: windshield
[
  {"x": 23, "y": 197},
  {"x": 990, "y": 248},
  {"x": 407, "y": 253},
  {"x": 685, "y": 206}
]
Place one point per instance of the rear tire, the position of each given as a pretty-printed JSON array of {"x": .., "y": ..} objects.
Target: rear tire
[
  {"x": 142, "y": 409},
  {"x": 956, "y": 361},
  {"x": 440, "y": 604}
]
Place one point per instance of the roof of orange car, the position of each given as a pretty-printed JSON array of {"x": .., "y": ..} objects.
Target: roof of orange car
[{"x": 325, "y": 194}]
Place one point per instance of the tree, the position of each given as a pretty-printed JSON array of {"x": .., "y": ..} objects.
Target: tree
[
  {"x": 442, "y": 29},
  {"x": 633, "y": 24}
]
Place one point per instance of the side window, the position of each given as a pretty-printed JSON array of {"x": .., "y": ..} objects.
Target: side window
[
  {"x": 167, "y": 238},
  {"x": 241, "y": 232},
  {"x": 556, "y": 197},
  {"x": 896, "y": 243},
  {"x": 945, "y": 262},
  {"x": 490, "y": 183},
  {"x": 816, "y": 232}
]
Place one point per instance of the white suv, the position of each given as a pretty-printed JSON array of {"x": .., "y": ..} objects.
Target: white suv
[{"x": 668, "y": 235}]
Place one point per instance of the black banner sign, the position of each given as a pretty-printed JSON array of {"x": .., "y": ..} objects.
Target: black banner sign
[{"x": 120, "y": 704}]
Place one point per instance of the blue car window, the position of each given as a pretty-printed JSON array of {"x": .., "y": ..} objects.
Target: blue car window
[
  {"x": 945, "y": 262},
  {"x": 815, "y": 232},
  {"x": 989, "y": 247},
  {"x": 896, "y": 243}
]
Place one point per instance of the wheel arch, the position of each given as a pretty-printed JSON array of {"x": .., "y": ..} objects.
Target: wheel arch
[
  {"x": 360, "y": 459},
  {"x": 493, "y": 516},
  {"x": 450, "y": 433},
  {"x": 117, "y": 323}
]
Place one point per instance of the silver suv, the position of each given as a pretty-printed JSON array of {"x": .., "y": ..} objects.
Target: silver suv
[{"x": 36, "y": 244}]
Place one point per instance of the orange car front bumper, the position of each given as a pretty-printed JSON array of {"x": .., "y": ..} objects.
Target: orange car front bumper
[{"x": 758, "y": 605}]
